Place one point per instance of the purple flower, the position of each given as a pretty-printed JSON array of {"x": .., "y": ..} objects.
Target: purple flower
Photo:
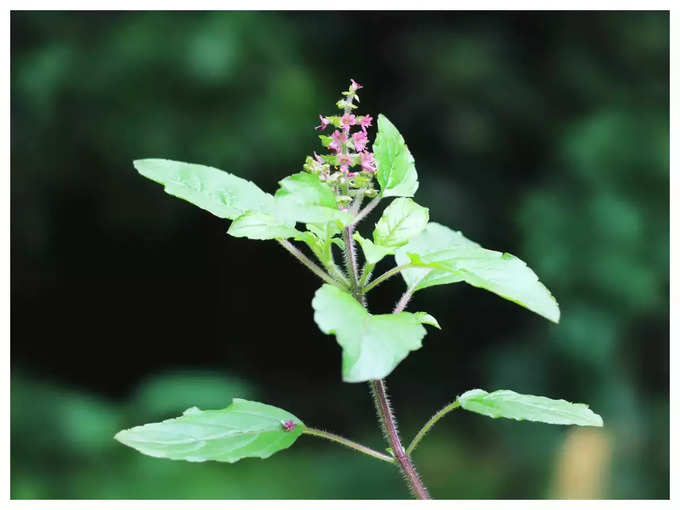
[
  {"x": 366, "y": 121},
  {"x": 368, "y": 162},
  {"x": 345, "y": 161},
  {"x": 339, "y": 138},
  {"x": 348, "y": 120},
  {"x": 360, "y": 140},
  {"x": 324, "y": 123}
]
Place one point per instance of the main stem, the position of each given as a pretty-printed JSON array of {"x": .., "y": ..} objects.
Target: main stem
[
  {"x": 389, "y": 426},
  {"x": 382, "y": 405}
]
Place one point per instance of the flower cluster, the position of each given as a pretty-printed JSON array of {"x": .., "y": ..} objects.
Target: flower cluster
[{"x": 349, "y": 167}]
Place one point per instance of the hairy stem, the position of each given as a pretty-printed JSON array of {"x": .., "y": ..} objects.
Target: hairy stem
[
  {"x": 351, "y": 263},
  {"x": 387, "y": 420},
  {"x": 430, "y": 423},
  {"x": 366, "y": 273},
  {"x": 308, "y": 263},
  {"x": 334, "y": 270},
  {"x": 369, "y": 207},
  {"x": 385, "y": 276},
  {"x": 404, "y": 299},
  {"x": 389, "y": 426},
  {"x": 337, "y": 273},
  {"x": 406, "y": 296},
  {"x": 348, "y": 443},
  {"x": 356, "y": 204}
]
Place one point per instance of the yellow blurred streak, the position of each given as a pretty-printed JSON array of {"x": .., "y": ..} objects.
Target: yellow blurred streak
[{"x": 582, "y": 465}]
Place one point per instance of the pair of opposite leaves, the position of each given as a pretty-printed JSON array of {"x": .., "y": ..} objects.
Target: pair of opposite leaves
[
  {"x": 373, "y": 345},
  {"x": 252, "y": 429}
]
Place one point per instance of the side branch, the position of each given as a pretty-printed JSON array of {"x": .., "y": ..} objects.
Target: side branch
[
  {"x": 385, "y": 276},
  {"x": 369, "y": 207},
  {"x": 351, "y": 263},
  {"x": 430, "y": 423},
  {"x": 307, "y": 262},
  {"x": 406, "y": 296},
  {"x": 348, "y": 443}
]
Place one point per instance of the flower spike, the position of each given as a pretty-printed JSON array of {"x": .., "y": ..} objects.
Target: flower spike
[{"x": 347, "y": 149}]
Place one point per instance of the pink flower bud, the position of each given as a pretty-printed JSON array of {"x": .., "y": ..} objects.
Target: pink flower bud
[
  {"x": 355, "y": 86},
  {"x": 288, "y": 425},
  {"x": 324, "y": 123}
]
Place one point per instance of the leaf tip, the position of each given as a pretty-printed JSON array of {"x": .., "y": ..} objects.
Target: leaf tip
[
  {"x": 121, "y": 437},
  {"x": 596, "y": 421},
  {"x": 554, "y": 314},
  {"x": 426, "y": 318},
  {"x": 140, "y": 163},
  {"x": 472, "y": 393}
]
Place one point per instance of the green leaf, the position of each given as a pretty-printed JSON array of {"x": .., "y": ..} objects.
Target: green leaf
[
  {"x": 319, "y": 238},
  {"x": 372, "y": 345},
  {"x": 324, "y": 231},
  {"x": 426, "y": 318},
  {"x": 325, "y": 140},
  {"x": 257, "y": 225},
  {"x": 508, "y": 404},
  {"x": 448, "y": 257},
  {"x": 244, "y": 429},
  {"x": 396, "y": 168},
  {"x": 372, "y": 252},
  {"x": 400, "y": 221},
  {"x": 302, "y": 197},
  {"x": 216, "y": 191}
]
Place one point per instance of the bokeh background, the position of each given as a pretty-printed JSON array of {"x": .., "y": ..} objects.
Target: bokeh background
[{"x": 542, "y": 134}]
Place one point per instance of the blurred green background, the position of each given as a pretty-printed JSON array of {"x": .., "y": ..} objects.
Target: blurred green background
[{"x": 544, "y": 134}]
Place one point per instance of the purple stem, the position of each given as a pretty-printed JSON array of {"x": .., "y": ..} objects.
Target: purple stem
[
  {"x": 389, "y": 426},
  {"x": 382, "y": 405}
]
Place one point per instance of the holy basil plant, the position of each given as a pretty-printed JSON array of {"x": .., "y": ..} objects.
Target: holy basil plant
[{"x": 321, "y": 207}]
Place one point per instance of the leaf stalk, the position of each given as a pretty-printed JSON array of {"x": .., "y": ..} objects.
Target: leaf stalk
[
  {"x": 386, "y": 276},
  {"x": 348, "y": 443},
  {"x": 308, "y": 263},
  {"x": 430, "y": 423},
  {"x": 366, "y": 210}
]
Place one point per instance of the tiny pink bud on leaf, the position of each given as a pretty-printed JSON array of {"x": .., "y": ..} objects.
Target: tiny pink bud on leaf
[{"x": 288, "y": 425}]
